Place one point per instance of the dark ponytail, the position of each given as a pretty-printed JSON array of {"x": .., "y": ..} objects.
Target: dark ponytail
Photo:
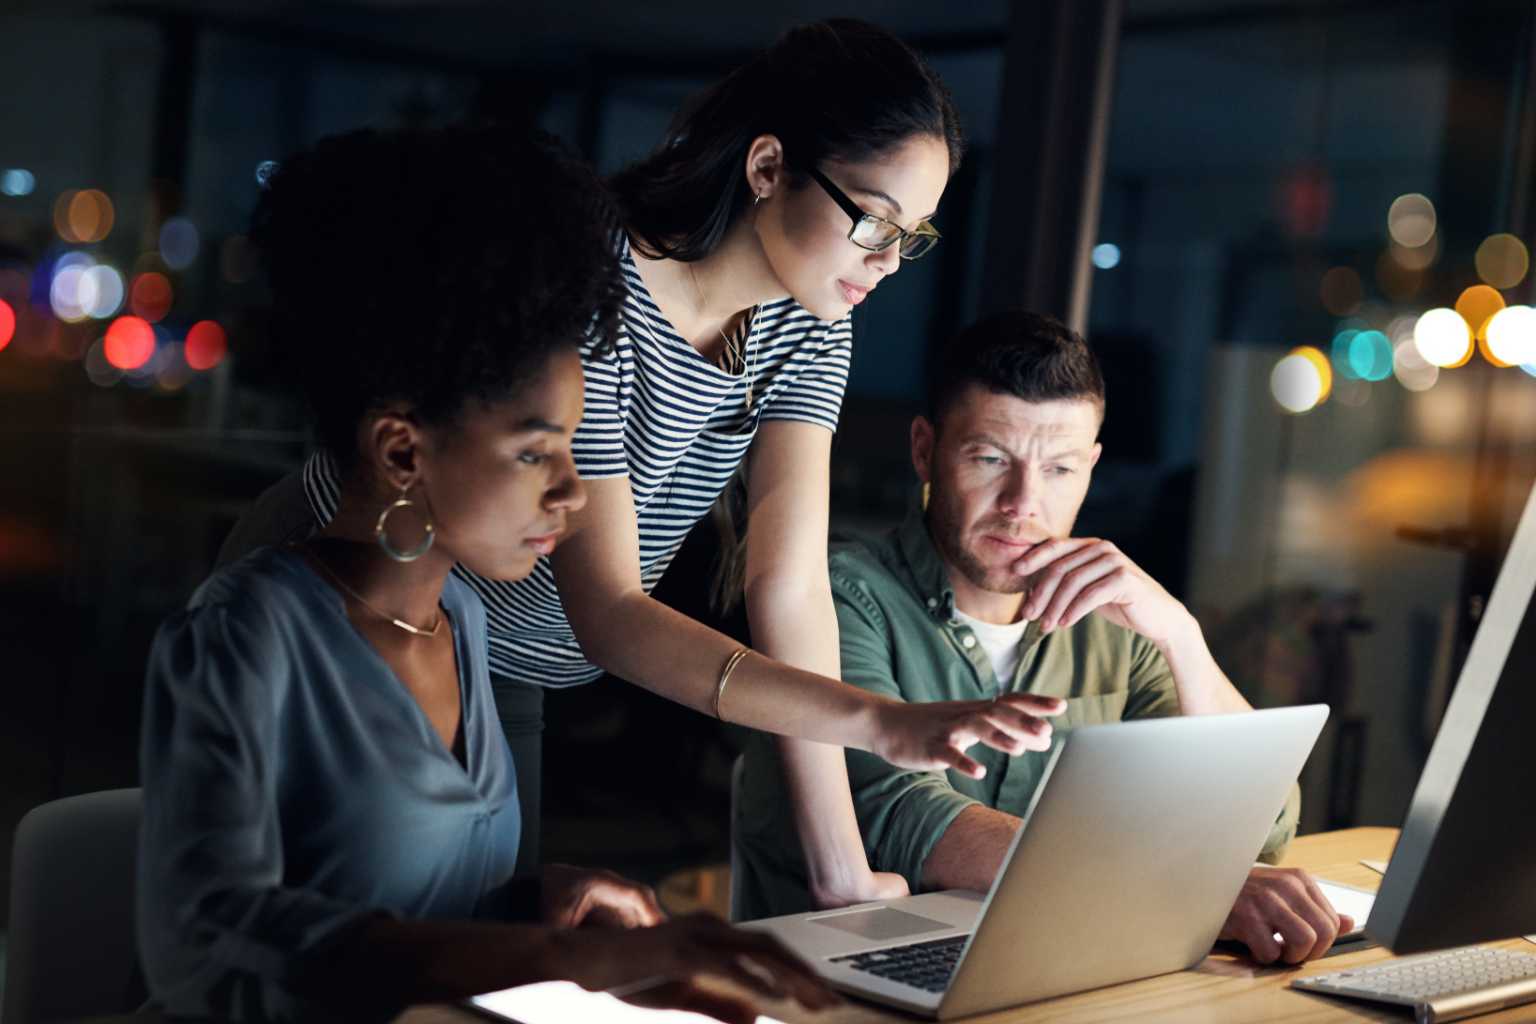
[{"x": 840, "y": 89}]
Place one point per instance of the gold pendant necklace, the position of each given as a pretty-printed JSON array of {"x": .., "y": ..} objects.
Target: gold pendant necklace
[
  {"x": 360, "y": 599},
  {"x": 734, "y": 356}
]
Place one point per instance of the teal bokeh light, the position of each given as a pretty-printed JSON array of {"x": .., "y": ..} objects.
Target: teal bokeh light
[
  {"x": 1370, "y": 356},
  {"x": 1340, "y": 353}
]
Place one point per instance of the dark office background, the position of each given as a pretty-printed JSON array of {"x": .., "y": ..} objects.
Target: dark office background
[{"x": 1207, "y": 184}]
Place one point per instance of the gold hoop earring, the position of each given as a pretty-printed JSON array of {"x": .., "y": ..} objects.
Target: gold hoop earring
[
  {"x": 381, "y": 533},
  {"x": 925, "y": 497}
]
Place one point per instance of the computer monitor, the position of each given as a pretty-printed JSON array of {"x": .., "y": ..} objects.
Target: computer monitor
[{"x": 1464, "y": 870}]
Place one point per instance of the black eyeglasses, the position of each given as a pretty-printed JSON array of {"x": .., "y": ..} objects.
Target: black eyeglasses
[{"x": 876, "y": 233}]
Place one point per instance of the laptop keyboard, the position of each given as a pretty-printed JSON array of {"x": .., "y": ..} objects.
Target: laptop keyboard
[{"x": 924, "y": 965}]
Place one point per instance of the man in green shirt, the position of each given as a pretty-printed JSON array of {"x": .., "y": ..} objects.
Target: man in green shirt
[{"x": 984, "y": 591}]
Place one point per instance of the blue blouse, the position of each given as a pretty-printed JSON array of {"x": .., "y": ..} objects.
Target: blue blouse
[{"x": 292, "y": 786}]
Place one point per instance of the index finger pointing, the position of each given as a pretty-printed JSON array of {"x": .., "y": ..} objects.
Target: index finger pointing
[{"x": 1034, "y": 704}]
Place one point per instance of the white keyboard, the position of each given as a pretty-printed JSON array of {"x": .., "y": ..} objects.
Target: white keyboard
[{"x": 1448, "y": 985}]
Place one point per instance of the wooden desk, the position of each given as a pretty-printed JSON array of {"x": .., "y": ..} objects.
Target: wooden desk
[{"x": 1222, "y": 989}]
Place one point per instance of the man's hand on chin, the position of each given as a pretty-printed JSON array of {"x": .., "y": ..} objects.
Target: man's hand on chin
[
  {"x": 1284, "y": 902},
  {"x": 1071, "y": 577}
]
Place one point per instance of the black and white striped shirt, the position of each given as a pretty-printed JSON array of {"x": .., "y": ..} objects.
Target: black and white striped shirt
[{"x": 677, "y": 426}]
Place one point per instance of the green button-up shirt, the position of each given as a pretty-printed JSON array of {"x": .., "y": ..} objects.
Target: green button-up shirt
[{"x": 900, "y": 637}]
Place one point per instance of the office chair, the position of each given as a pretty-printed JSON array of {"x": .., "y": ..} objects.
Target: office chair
[{"x": 70, "y": 946}]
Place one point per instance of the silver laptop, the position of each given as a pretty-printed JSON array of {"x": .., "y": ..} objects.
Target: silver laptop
[{"x": 1132, "y": 853}]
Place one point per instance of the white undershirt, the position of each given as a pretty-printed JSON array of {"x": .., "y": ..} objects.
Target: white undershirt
[{"x": 1001, "y": 644}]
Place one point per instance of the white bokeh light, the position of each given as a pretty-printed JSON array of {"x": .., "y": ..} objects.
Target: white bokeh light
[
  {"x": 108, "y": 289},
  {"x": 1296, "y": 383},
  {"x": 1442, "y": 337},
  {"x": 1512, "y": 335}
]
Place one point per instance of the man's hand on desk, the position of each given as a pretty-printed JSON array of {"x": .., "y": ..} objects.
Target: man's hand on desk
[
  {"x": 1287, "y": 902},
  {"x": 572, "y": 897},
  {"x": 667, "y": 966}
]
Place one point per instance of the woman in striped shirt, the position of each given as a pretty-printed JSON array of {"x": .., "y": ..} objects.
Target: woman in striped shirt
[{"x": 780, "y": 198}]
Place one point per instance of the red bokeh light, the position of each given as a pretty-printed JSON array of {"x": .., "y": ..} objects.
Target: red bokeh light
[
  {"x": 130, "y": 342},
  {"x": 7, "y": 323},
  {"x": 206, "y": 345},
  {"x": 150, "y": 296}
]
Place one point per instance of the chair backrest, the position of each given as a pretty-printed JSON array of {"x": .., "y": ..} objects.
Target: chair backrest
[{"x": 70, "y": 949}]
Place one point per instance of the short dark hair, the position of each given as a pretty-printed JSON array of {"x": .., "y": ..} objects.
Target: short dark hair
[
  {"x": 434, "y": 267},
  {"x": 1013, "y": 352},
  {"x": 839, "y": 89}
]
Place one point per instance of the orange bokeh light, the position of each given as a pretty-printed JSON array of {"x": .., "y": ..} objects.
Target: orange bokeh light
[
  {"x": 7, "y": 324},
  {"x": 83, "y": 216},
  {"x": 206, "y": 345},
  {"x": 1487, "y": 353},
  {"x": 150, "y": 296},
  {"x": 1477, "y": 305},
  {"x": 130, "y": 342}
]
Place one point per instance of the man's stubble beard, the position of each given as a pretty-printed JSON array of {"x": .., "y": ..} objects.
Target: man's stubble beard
[{"x": 947, "y": 535}]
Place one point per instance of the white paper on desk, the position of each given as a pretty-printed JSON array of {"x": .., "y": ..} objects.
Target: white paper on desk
[
  {"x": 1346, "y": 899},
  {"x": 1530, "y": 938},
  {"x": 561, "y": 1002}
]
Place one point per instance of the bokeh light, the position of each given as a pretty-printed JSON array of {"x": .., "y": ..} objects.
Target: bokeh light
[
  {"x": 1370, "y": 356},
  {"x": 1421, "y": 258},
  {"x": 1400, "y": 329},
  {"x": 150, "y": 297},
  {"x": 1411, "y": 220},
  {"x": 1301, "y": 380},
  {"x": 85, "y": 216},
  {"x": 171, "y": 370},
  {"x": 106, "y": 286},
  {"x": 1106, "y": 256},
  {"x": 1443, "y": 338},
  {"x": 1412, "y": 370},
  {"x": 1511, "y": 336},
  {"x": 130, "y": 343},
  {"x": 1502, "y": 260},
  {"x": 71, "y": 293},
  {"x": 1342, "y": 291},
  {"x": 97, "y": 367},
  {"x": 1477, "y": 305},
  {"x": 206, "y": 345},
  {"x": 179, "y": 243},
  {"x": 17, "y": 181},
  {"x": 164, "y": 352},
  {"x": 1353, "y": 393},
  {"x": 1324, "y": 370},
  {"x": 1340, "y": 350},
  {"x": 264, "y": 172},
  {"x": 7, "y": 324}
]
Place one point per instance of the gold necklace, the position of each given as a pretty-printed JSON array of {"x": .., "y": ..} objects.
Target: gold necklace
[
  {"x": 734, "y": 357},
  {"x": 413, "y": 630}
]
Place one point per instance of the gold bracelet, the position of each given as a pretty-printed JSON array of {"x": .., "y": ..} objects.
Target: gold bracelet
[{"x": 725, "y": 675}]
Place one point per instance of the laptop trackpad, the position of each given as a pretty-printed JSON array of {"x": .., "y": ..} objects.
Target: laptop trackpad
[{"x": 881, "y": 923}]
